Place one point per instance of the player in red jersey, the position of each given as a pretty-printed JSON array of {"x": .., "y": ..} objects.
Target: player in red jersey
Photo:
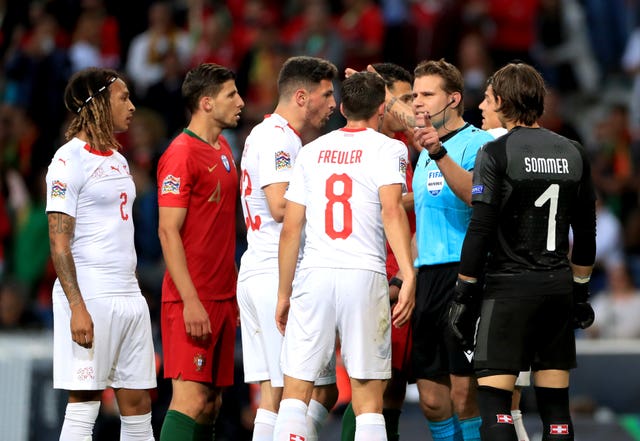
[{"x": 197, "y": 192}]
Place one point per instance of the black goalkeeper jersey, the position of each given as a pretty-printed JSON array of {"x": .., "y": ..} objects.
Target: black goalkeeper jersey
[{"x": 530, "y": 187}]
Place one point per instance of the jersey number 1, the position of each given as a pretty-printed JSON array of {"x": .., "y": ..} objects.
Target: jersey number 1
[
  {"x": 341, "y": 200},
  {"x": 550, "y": 194}
]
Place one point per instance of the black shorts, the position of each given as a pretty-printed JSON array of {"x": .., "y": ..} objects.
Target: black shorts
[
  {"x": 435, "y": 352},
  {"x": 531, "y": 330}
]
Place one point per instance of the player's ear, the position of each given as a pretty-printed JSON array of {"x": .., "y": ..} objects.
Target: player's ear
[
  {"x": 301, "y": 97},
  {"x": 206, "y": 103},
  {"x": 381, "y": 110}
]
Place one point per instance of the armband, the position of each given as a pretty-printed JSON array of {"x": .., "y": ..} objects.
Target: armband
[
  {"x": 439, "y": 154},
  {"x": 394, "y": 281}
]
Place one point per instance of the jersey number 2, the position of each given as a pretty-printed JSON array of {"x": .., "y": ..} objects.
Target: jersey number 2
[
  {"x": 124, "y": 215},
  {"x": 250, "y": 222},
  {"x": 550, "y": 194},
  {"x": 341, "y": 200}
]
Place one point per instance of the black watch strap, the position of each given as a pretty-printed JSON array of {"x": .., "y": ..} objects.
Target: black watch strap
[
  {"x": 395, "y": 282},
  {"x": 439, "y": 154}
]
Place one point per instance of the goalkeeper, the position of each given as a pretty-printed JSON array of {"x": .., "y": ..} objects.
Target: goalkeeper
[{"x": 529, "y": 187}]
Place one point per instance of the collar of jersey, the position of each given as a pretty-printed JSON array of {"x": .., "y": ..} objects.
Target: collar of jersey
[
  {"x": 93, "y": 151},
  {"x": 450, "y": 135}
]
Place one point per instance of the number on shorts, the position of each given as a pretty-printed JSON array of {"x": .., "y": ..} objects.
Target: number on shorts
[
  {"x": 341, "y": 200},
  {"x": 550, "y": 194}
]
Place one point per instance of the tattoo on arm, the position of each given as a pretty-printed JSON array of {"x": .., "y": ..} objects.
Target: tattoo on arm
[{"x": 61, "y": 229}]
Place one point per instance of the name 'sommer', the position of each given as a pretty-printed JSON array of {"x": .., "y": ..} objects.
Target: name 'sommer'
[{"x": 546, "y": 165}]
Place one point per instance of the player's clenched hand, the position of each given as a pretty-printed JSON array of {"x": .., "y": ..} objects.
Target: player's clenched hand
[
  {"x": 282, "y": 313},
  {"x": 403, "y": 309},
  {"x": 81, "y": 325},
  {"x": 425, "y": 135},
  {"x": 196, "y": 320}
]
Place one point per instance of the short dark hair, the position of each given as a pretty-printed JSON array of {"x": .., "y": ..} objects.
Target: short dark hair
[
  {"x": 522, "y": 91},
  {"x": 204, "y": 80},
  {"x": 452, "y": 80},
  {"x": 391, "y": 73},
  {"x": 362, "y": 93},
  {"x": 304, "y": 71}
]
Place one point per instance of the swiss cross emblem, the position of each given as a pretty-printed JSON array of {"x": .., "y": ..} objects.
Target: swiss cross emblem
[
  {"x": 294, "y": 437},
  {"x": 199, "y": 362},
  {"x": 503, "y": 418},
  {"x": 559, "y": 429}
]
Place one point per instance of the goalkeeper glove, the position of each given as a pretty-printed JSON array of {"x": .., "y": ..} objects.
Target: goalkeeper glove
[
  {"x": 464, "y": 312},
  {"x": 583, "y": 315}
]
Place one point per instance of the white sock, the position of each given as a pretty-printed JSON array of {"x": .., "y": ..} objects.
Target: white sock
[
  {"x": 263, "y": 425},
  {"x": 79, "y": 419},
  {"x": 519, "y": 425},
  {"x": 292, "y": 421},
  {"x": 317, "y": 414},
  {"x": 370, "y": 427},
  {"x": 136, "y": 428}
]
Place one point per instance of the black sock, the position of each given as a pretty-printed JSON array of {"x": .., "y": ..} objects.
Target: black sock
[
  {"x": 553, "y": 406},
  {"x": 495, "y": 410}
]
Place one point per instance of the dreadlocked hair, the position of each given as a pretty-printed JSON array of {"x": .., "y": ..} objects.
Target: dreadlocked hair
[{"x": 87, "y": 97}]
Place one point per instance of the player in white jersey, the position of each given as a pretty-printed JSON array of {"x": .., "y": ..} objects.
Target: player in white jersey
[
  {"x": 305, "y": 102},
  {"x": 102, "y": 328},
  {"x": 346, "y": 193}
]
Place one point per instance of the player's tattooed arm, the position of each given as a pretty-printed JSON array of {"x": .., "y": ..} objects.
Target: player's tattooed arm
[{"x": 61, "y": 229}]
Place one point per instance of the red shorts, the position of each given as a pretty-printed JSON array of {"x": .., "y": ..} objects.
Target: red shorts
[
  {"x": 401, "y": 348},
  {"x": 209, "y": 361}
]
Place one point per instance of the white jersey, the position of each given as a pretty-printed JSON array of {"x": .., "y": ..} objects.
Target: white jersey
[
  {"x": 97, "y": 190},
  {"x": 337, "y": 177},
  {"x": 269, "y": 153}
]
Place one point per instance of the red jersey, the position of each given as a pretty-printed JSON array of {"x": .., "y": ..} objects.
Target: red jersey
[
  {"x": 392, "y": 263},
  {"x": 196, "y": 176}
]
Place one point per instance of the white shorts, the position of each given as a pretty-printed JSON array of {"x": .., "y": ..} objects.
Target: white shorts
[
  {"x": 261, "y": 340},
  {"x": 122, "y": 354},
  {"x": 523, "y": 379},
  {"x": 354, "y": 304}
]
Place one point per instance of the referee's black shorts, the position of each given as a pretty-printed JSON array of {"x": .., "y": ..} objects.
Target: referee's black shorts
[
  {"x": 436, "y": 353},
  {"x": 524, "y": 323}
]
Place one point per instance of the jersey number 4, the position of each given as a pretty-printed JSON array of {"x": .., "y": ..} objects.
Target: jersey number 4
[
  {"x": 338, "y": 202},
  {"x": 551, "y": 194}
]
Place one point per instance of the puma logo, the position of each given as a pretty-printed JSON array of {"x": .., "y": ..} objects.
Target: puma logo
[
  {"x": 63, "y": 161},
  {"x": 212, "y": 168}
]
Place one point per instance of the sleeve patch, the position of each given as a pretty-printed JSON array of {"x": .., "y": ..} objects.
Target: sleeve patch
[
  {"x": 58, "y": 190},
  {"x": 403, "y": 165},
  {"x": 283, "y": 160},
  {"x": 477, "y": 189},
  {"x": 171, "y": 185}
]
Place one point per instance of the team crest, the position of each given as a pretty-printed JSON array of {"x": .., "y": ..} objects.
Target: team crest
[
  {"x": 171, "y": 185},
  {"x": 403, "y": 166},
  {"x": 283, "y": 160},
  {"x": 502, "y": 418},
  {"x": 58, "y": 189},
  {"x": 295, "y": 437},
  {"x": 199, "y": 362},
  {"x": 435, "y": 182},
  {"x": 225, "y": 162}
]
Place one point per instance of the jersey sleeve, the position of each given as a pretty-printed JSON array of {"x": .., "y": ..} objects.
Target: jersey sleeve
[
  {"x": 175, "y": 181},
  {"x": 486, "y": 176},
  {"x": 583, "y": 218},
  {"x": 475, "y": 143},
  {"x": 64, "y": 182},
  {"x": 276, "y": 157},
  {"x": 296, "y": 191},
  {"x": 392, "y": 165}
]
